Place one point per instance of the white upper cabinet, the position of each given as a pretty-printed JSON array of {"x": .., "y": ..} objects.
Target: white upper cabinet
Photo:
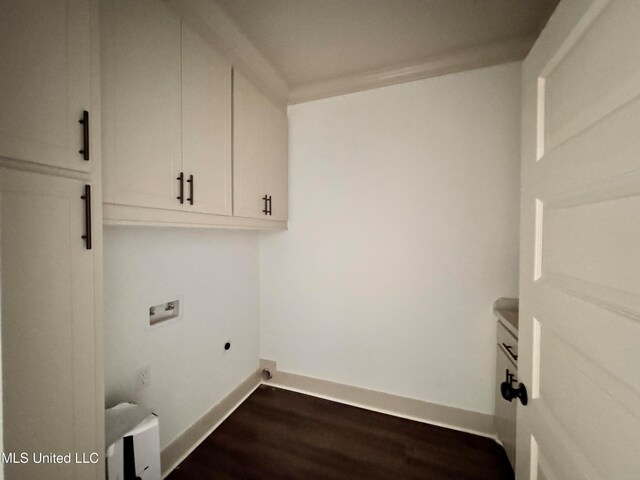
[
  {"x": 206, "y": 126},
  {"x": 45, "y": 53},
  {"x": 167, "y": 112},
  {"x": 141, "y": 69},
  {"x": 260, "y": 146},
  {"x": 172, "y": 151}
]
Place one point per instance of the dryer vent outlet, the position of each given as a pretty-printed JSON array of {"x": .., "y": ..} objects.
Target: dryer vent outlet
[{"x": 266, "y": 375}]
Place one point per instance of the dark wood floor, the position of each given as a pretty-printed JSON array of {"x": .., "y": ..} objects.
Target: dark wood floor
[{"x": 281, "y": 435}]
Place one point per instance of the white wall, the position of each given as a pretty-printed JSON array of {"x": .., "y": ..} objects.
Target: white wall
[
  {"x": 403, "y": 230},
  {"x": 215, "y": 274}
]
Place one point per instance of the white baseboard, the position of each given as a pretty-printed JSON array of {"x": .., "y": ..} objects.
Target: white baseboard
[
  {"x": 418, "y": 410},
  {"x": 182, "y": 446}
]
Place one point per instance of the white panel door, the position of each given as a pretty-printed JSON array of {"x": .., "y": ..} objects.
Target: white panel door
[
  {"x": 141, "y": 80},
  {"x": 206, "y": 125},
  {"x": 48, "y": 345},
  {"x": 275, "y": 169},
  {"x": 44, "y": 80},
  {"x": 248, "y": 151},
  {"x": 579, "y": 338}
]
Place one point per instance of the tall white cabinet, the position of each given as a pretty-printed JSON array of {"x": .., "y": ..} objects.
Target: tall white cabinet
[{"x": 50, "y": 280}]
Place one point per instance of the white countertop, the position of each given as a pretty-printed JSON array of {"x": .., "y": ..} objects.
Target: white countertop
[{"x": 507, "y": 311}]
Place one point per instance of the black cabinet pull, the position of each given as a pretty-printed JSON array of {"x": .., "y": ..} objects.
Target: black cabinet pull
[
  {"x": 508, "y": 348},
  {"x": 190, "y": 182},
  {"x": 85, "y": 135},
  {"x": 267, "y": 204},
  {"x": 87, "y": 216},
  {"x": 180, "y": 179}
]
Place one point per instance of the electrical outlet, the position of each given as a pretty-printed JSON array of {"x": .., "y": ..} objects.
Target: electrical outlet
[{"x": 143, "y": 378}]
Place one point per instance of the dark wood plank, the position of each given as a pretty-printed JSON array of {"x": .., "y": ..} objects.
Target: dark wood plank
[{"x": 281, "y": 435}]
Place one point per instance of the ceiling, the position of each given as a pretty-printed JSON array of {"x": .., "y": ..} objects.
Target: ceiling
[{"x": 312, "y": 41}]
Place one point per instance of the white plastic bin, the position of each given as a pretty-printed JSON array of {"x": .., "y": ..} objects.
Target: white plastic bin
[{"x": 133, "y": 443}]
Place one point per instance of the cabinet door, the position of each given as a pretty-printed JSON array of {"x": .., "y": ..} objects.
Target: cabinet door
[
  {"x": 505, "y": 418},
  {"x": 48, "y": 344},
  {"x": 248, "y": 154},
  {"x": 44, "y": 80},
  {"x": 141, "y": 66},
  {"x": 275, "y": 169},
  {"x": 260, "y": 153},
  {"x": 206, "y": 124}
]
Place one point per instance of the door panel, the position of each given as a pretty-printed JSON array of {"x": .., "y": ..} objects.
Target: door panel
[
  {"x": 564, "y": 369},
  {"x": 48, "y": 346},
  {"x": 141, "y": 66},
  {"x": 588, "y": 79},
  {"x": 275, "y": 171},
  {"x": 574, "y": 236},
  {"x": 586, "y": 151},
  {"x": 206, "y": 124},
  {"x": 248, "y": 152},
  {"x": 580, "y": 301},
  {"x": 260, "y": 153},
  {"x": 44, "y": 80}
]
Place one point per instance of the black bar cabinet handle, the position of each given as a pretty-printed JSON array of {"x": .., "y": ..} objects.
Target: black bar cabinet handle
[
  {"x": 508, "y": 349},
  {"x": 266, "y": 205},
  {"x": 180, "y": 178},
  {"x": 85, "y": 135},
  {"x": 87, "y": 216},
  {"x": 190, "y": 182},
  {"x": 269, "y": 204}
]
